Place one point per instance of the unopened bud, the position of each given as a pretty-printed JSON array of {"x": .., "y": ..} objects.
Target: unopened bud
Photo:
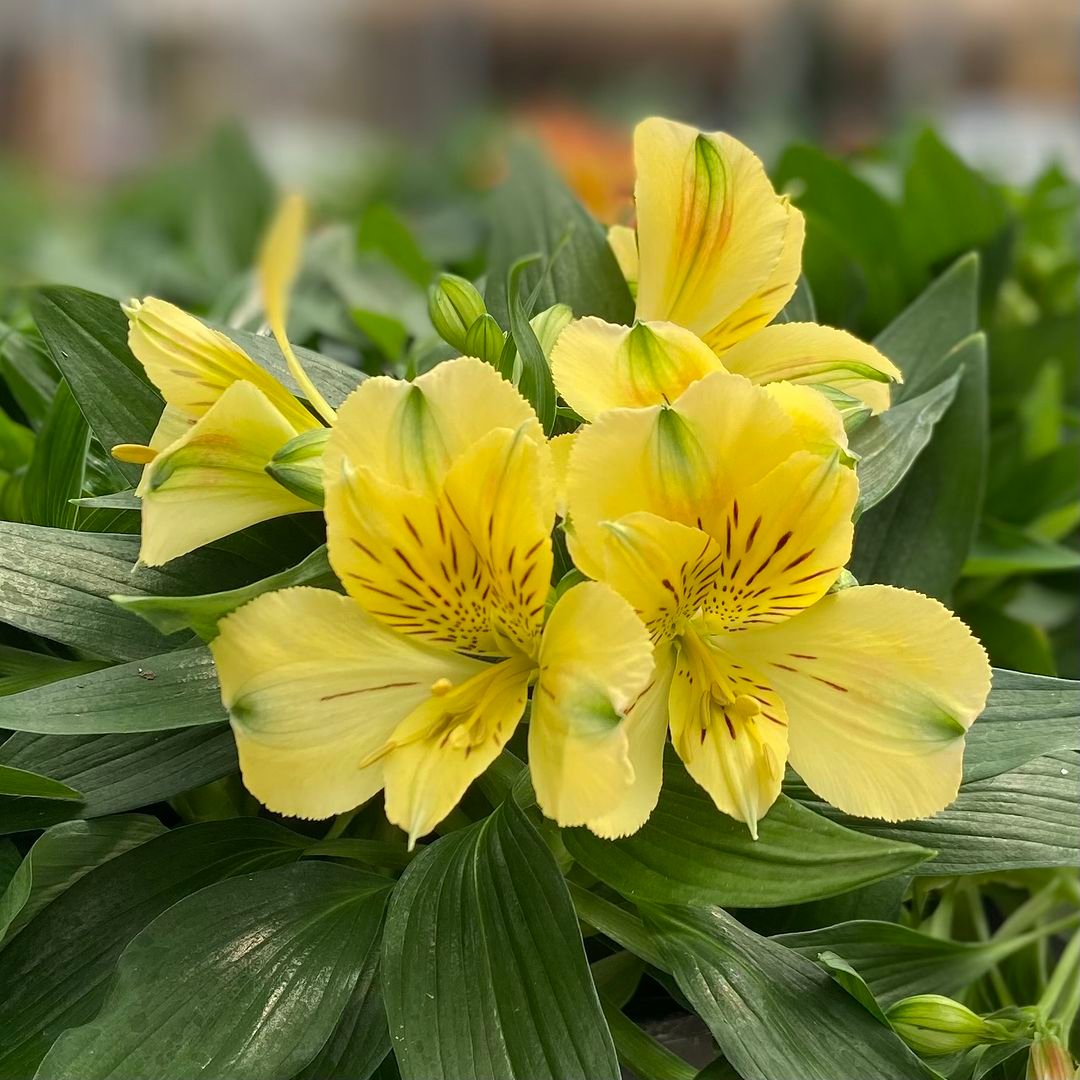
[
  {"x": 485, "y": 340},
  {"x": 933, "y": 1025},
  {"x": 1049, "y": 1059},
  {"x": 549, "y": 324},
  {"x": 454, "y": 304},
  {"x": 298, "y": 465}
]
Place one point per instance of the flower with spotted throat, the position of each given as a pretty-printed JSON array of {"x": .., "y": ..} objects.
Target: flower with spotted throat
[
  {"x": 725, "y": 519},
  {"x": 715, "y": 257},
  {"x": 439, "y": 508},
  {"x": 225, "y": 416}
]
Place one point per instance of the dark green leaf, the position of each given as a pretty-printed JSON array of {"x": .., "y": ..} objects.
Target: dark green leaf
[
  {"x": 23, "y": 670},
  {"x": 1026, "y": 717},
  {"x": 1002, "y": 549},
  {"x": 55, "y": 474},
  {"x": 29, "y": 785},
  {"x": 484, "y": 974},
  {"x": 689, "y": 852},
  {"x": 535, "y": 381},
  {"x": 244, "y": 980},
  {"x": 87, "y": 336},
  {"x": 847, "y": 977},
  {"x": 775, "y": 1014},
  {"x": 640, "y": 1052},
  {"x": 383, "y": 231},
  {"x": 920, "y": 535},
  {"x": 54, "y": 973},
  {"x": 171, "y": 614},
  {"x": 888, "y": 444},
  {"x": 898, "y": 962},
  {"x": 115, "y": 773},
  {"x": 534, "y": 213},
  {"x": 62, "y": 855},
  {"x": 1015, "y": 820},
  {"x": 58, "y": 583},
  {"x": 174, "y": 690}
]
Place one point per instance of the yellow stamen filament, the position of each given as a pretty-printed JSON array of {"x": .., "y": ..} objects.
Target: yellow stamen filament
[{"x": 279, "y": 263}]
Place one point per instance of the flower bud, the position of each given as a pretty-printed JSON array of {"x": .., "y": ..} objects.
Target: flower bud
[
  {"x": 933, "y": 1025},
  {"x": 485, "y": 340},
  {"x": 1049, "y": 1059},
  {"x": 549, "y": 324},
  {"x": 298, "y": 465},
  {"x": 454, "y": 304}
]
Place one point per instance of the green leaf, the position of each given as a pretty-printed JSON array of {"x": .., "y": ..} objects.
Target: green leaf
[
  {"x": 888, "y": 444},
  {"x": 23, "y": 670},
  {"x": 29, "y": 373},
  {"x": 171, "y": 614},
  {"x": 87, "y": 337},
  {"x": 58, "y": 583},
  {"x": 1020, "y": 819},
  {"x": 29, "y": 785},
  {"x": 55, "y": 474},
  {"x": 535, "y": 381},
  {"x": 898, "y": 962},
  {"x": 774, "y": 1014},
  {"x": 534, "y": 213},
  {"x": 847, "y": 977},
  {"x": 1002, "y": 549},
  {"x": 383, "y": 231},
  {"x": 55, "y": 972},
  {"x": 115, "y": 773},
  {"x": 646, "y": 1058},
  {"x": 852, "y": 232},
  {"x": 61, "y": 856},
  {"x": 16, "y": 443},
  {"x": 203, "y": 979},
  {"x": 920, "y": 535},
  {"x": 689, "y": 852},
  {"x": 174, "y": 690},
  {"x": 948, "y": 208},
  {"x": 1025, "y": 717},
  {"x": 484, "y": 974}
]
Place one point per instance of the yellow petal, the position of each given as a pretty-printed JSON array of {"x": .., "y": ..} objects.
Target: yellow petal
[
  {"x": 812, "y": 354},
  {"x": 623, "y": 242},
  {"x": 818, "y": 420},
  {"x": 409, "y": 434},
  {"x": 646, "y": 726},
  {"x": 730, "y": 729},
  {"x": 193, "y": 365},
  {"x": 683, "y": 463},
  {"x": 561, "y": 445},
  {"x": 711, "y": 229},
  {"x": 469, "y": 567},
  {"x": 880, "y": 685},
  {"x": 761, "y": 308},
  {"x": 279, "y": 262},
  {"x": 442, "y": 747},
  {"x": 597, "y": 366},
  {"x": 595, "y": 659},
  {"x": 211, "y": 482},
  {"x": 314, "y": 686},
  {"x": 784, "y": 542}
]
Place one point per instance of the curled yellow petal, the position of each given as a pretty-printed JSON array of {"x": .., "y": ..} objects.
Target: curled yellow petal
[
  {"x": 279, "y": 262},
  {"x": 711, "y": 229},
  {"x": 211, "y": 482},
  {"x": 193, "y": 365},
  {"x": 595, "y": 660},
  {"x": 623, "y": 242},
  {"x": 314, "y": 686},
  {"x": 815, "y": 355},
  {"x": 598, "y": 366}
]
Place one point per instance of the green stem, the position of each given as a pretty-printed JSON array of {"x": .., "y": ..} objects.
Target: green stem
[
  {"x": 1061, "y": 999},
  {"x": 341, "y": 823},
  {"x": 978, "y": 918},
  {"x": 1030, "y": 911},
  {"x": 619, "y": 925},
  {"x": 640, "y": 1052}
]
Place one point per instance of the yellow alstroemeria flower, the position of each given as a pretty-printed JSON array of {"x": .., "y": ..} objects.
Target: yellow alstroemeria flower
[
  {"x": 715, "y": 257},
  {"x": 439, "y": 507},
  {"x": 224, "y": 419},
  {"x": 725, "y": 533}
]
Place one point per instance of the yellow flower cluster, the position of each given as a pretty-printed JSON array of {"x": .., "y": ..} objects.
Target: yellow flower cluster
[{"x": 706, "y": 502}]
